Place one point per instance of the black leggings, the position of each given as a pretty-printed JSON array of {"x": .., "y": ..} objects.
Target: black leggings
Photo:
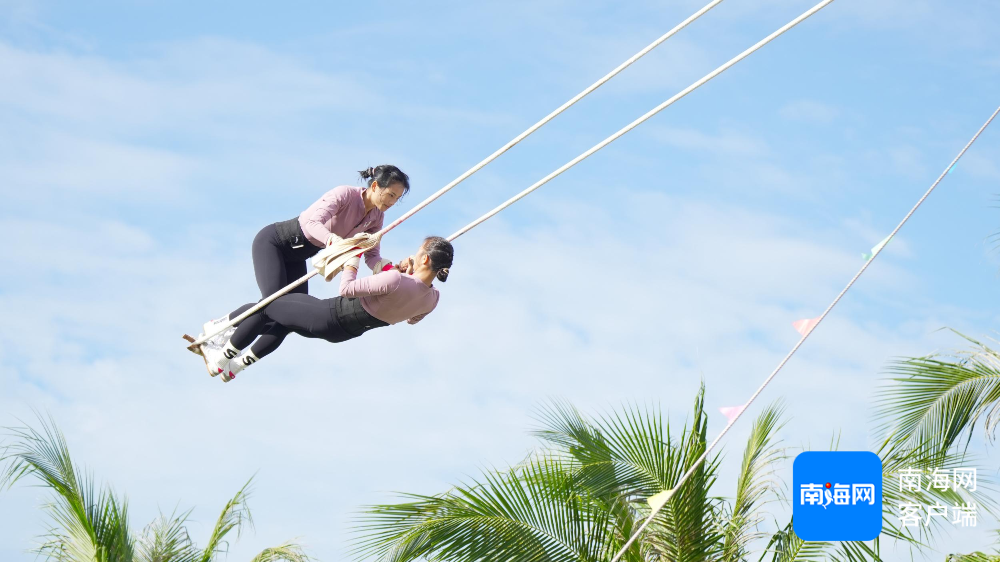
[
  {"x": 276, "y": 262},
  {"x": 334, "y": 320}
]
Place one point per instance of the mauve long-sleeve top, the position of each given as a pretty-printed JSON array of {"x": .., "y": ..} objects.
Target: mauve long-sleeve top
[
  {"x": 390, "y": 296},
  {"x": 341, "y": 211}
]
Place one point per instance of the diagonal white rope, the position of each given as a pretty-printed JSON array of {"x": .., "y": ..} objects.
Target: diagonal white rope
[
  {"x": 659, "y": 504},
  {"x": 640, "y": 120},
  {"x": 480, "y": 165},
  {"x": 556, "y": 112}
]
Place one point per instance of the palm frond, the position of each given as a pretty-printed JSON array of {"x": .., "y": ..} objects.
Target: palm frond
[
  {"x": 686, "y": 530},
  {"x": 786, "y": 546},
  {"x": 288, "y": 552},
  {"x": 973, "y": 557},
  {"x": 88, "y": 523},
  {"x": 533, "y": 512},
  {"x": 855, "y": 551},
  {"x": 756, "y": 480},
  {"x": 899, "y": 455},
  {"x": 939, "y": 399},
  {"x": 166, "y": 540},
  {"x": 630, "y": 455},
  {"x": 234, "y": 516}
]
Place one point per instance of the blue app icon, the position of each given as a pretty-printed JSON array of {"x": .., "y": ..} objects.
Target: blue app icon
[{"x": 837, "y": 495}]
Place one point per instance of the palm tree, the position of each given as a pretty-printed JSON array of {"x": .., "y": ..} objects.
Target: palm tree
[
  {"x": 578, "y": 499},
  {"x": 582, "y": 495},
  {"x": 91, "y": 524}
]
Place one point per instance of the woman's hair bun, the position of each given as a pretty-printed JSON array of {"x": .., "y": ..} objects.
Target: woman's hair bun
[
  {"x": 386, "y": 175},
  {"x": 441, "y": 253}
]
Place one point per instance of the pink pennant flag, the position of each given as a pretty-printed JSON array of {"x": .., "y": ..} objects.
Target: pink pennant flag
[
  {"x": 731, "y": 412},
  {"x": 805, "y": 326}
]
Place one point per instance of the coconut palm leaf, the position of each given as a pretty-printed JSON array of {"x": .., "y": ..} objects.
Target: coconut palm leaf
[
  {"x": 975, "y": 556},
  {"x": 288, "y": 552},
  {"x": 939, "y": 399},
  {"x": 855, "y": 551},
  {"x": 234, "y": 516},
  {"x": 578, "y": 500},
  {"x": 531, "y": 512},
  {"x": 756, "y": 480},
  {"x": 89, "y": 524},
  {"x": 786, "y": 546},
  {"x": 686, "y": 529},
  {"x": 166, "y": 540},
  {"x": 631, "y": 455},
  {"x": 900, "y": 455}
]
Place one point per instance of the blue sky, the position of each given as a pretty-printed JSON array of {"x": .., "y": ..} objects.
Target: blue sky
[{"x": 143, "y": 144}]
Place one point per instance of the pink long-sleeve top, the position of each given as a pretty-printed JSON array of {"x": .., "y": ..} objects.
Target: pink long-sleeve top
[
  {"x": 390, "y": 296},
  {"x": 341, "y": 211}
]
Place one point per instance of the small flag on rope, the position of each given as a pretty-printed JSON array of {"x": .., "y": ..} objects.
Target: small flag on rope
[
  {"x": 805, "y": 325},
  {"x": 731, "y": 412},
  {"x": 659, "y": 500},
  {"x": 876, "y": 248},
  {"x": 950, "y": 170}
]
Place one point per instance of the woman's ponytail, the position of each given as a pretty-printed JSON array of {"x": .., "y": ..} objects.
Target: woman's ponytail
[
  {"x": 386, "y": 175},
  {"x": 441, "y": 253}
]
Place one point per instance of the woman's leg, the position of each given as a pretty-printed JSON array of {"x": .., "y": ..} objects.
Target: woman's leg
[
  {"x": 274, "y": 333},
  {"x": 305, "y": 315},
  {"x": 301, "y": 314},
  {"x": 269, "y": 340},
  {"x": 257, "y": 324},
  {"x": 273, "y": 271},
  {"x": 248, "y": 329},
  {"x": 269, "y": 264}
]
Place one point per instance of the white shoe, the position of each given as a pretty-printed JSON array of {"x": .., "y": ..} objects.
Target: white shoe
[
  {"x": 213, "y": 323},
  {"x": 220, "y": 340},
  {"x": 236, "y": 365},
  {"x": 203, "y": 349},
  {"x": 216, "y": 359}
]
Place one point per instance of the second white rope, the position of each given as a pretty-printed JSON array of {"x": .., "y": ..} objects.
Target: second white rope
[{"x": 659, "y": 504}]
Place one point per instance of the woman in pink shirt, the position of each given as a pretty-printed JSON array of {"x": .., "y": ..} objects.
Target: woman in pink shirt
[
  {"x": 364, "y": 304},
  {"x": 281, "y": 250}
]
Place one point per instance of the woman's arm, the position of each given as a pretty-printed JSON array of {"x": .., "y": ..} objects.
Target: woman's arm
[
  {"x": 373, "y": 257},
  {"x": 371, "y": 286},
  {"x": 322, "y": 212}
]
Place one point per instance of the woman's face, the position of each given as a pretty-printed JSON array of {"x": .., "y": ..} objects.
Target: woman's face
[
  {"x": 421, "y": 256},
  {"x": 385, "y": 197}
]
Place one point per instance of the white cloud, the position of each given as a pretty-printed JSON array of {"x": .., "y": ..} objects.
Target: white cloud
[
  {"x": 907, "y": 161},
  {"x": 204, "y": 81},
  {"x": 726, "y": 142},
  {"x": 978, "y": 164},
  {"x": 809, "y": 111}
]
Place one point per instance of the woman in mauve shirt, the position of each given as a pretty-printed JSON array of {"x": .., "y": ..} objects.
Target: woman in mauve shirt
[
  {"x": 281, "y": 250},
  {"x": 364, "y": 304}
]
